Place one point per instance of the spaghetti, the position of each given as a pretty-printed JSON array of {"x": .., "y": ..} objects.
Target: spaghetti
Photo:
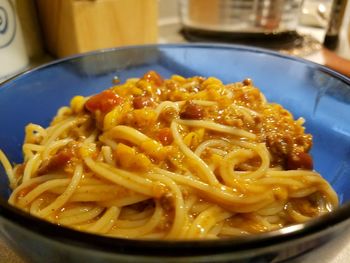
[{"x": 182, "y": 158}]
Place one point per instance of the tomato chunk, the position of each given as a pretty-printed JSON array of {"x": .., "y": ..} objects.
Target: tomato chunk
[
  {"x": 140, "y": 102},
  {"x": 104, "y": 101},
  {"x": 300, "y": 160},
  {"x": 165, "y": 136},
  {"x": 192, "y": 111},
  {"x": 153, "y": 77},
  {"x": 56, "y": 162}
]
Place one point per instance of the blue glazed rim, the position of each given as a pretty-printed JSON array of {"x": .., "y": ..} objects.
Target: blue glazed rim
[{"x": 313, "y": 229}]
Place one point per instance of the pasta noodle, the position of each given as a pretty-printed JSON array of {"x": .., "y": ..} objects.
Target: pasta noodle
[{"x": 181, "y": 158}]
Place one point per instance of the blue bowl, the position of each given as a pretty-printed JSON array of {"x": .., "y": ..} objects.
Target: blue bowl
[{"x": 318, "y": 94}]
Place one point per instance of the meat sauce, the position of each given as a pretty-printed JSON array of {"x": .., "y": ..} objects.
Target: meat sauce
[{"x": 285, "y": 137}]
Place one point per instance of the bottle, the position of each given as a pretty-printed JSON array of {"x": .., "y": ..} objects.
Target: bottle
[{"x": 336, "y": 18}]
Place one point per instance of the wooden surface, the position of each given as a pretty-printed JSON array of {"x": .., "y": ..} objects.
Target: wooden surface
[
  {"x": 75, "y": 26},
  {"x": 335, "y": 62},
  {"x": 27, "y": 16}
]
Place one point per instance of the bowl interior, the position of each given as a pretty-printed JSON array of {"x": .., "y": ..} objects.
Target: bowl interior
[{"x": 319, "y": 95}]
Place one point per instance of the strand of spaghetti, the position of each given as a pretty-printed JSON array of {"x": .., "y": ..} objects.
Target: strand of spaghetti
[
  {"x": 310, "y": 177},
  {"x": 142, "y": 230},
  {"x": 247, "y": 116},
  {"x": 108, "y": 142},
  {"x": 264, "y": 155},
  {"x": 73, "y": 210},
  {"x": 232, "y": 231},
  {"x": 116, "y": 176},
  {"x": 107, "y": 227},
  {"x": 203, "y": 223},
  {"x": 237, "y": 201},
  {"x": 210, "y": 125},
  {"x": 124, "y": 201},
  {"x": 220, "y": 220},
  {"x": 210, "y": 143},
  {"x": 250, "y": 111},
  {"x": 227, "y": 170},
  {"x": 205, "y": 102},
  {"x": 34, "y": 181},
  {"x": 63, "y": 198},
  {"x": 88, "y": 189},
  {"x": 133, "y": 223},
  {"x": 200, "y": 206},
  {"x": 131, "y": 176},
  {"x": 92, "y": 137},
  {"x": 150, "y": 146},
  {"x": 303, "y": 192},
  {"x": 54, "y": 146},
  {"x": 189, "y": 202},
  {"x": 107, "y": 154},
  {"x": 291, "y": 173},
  {"x": 37, "y": 191},
  {"x": 291, "y": 183},
  {"x": 205, "y": 173},
  {"x": 31, "y": 167},
  {"x": 8, "y": 169},
  {"x": 130, "y": 214},
  {"x": 272, "y": 209},
  {"x": 35, "y": 206},
  {"x": 80, "y": 218},
  {"x": 59, "y": 129},
  {"x": 166, "y": 104},
  {"x": 93, "y": 181},
  {"x": 106, "y": 222},
  {"x": 92, "y": 197},
  {"x": 297, "y": 217},
  {"x": 34, "y": 132},
  {"x": 228, "y": 164},
  {"x": 179, "y": 217},
  {"x": 29, "y": 148},
  {"x": 215, "y": 230},
  {"x": 126, "y": 133}
]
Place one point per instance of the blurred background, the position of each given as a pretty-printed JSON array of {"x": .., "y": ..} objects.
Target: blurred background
[{"x": 33, "y": 32}]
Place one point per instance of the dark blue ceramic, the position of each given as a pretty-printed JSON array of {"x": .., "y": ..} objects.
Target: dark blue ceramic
[{"x": 318, "y": 94}]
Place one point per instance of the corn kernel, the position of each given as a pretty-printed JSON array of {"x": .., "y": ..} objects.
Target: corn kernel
[
  {"x": 141, "y": 162},
  {"x": 115, "y": 116},
  {"x": 87, "y": 149},
  {"x": 189, "y": 138},
  {"x": 144, "y": 117},
  {"x": 178, "y": 78},
  {"x": 154, "y": 149},
  {"x": 136, "y": 91},
  {"x": 77, "y": 103},
  {"x": 112, "y": 118},
  {"x": 145, "y": 85},
  {"x": 124, "y": 155},
  {"x": 211, "y": 80}
]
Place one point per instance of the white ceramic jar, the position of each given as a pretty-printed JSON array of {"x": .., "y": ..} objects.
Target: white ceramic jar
[{"x": 13, "y": 54}]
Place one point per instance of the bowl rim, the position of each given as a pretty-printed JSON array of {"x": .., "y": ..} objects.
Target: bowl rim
[{"x": 171, "y": 247}]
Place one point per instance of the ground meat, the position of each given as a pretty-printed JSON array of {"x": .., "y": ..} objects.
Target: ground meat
[
  {"x": 165, "y": 136},
  {"x": 192, "y": 111},
  {"x": 286, "y": 139},
  {"x": 140, "y": 102},
  {"x": 300, "y": 160},
  {"x": 57, "y": 161},
  {"x": 153, "y": 77}
]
